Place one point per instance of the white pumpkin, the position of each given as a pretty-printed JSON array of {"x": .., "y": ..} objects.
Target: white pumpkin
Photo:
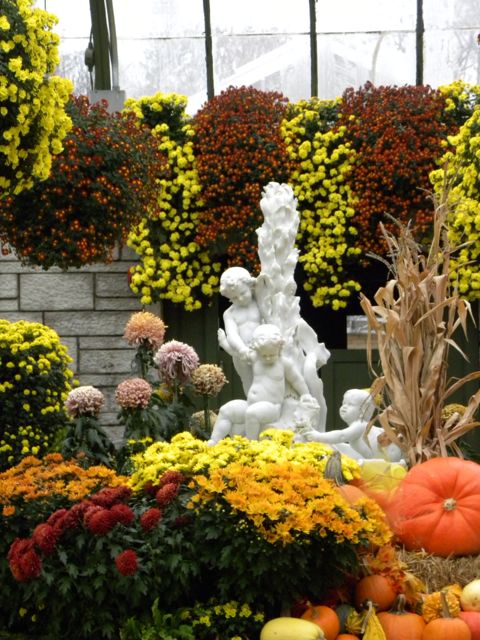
[
  {"x": 470, "y": 596},
  {"x": 285, "y": 628}
]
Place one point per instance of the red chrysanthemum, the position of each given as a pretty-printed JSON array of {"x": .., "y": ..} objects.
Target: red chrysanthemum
[
  {"x": 150, "y": 488},
  {"x": 127, "y": 562},
  {"x": 25, "y": 563},
  {"x": 108, "y": 496},
  {"x": 122, "y": 513},
  {"x": 45, "y": 537},
  {"x": 100, "y": 522},
  {"x": 166, "y": 493},
  {"x": 150, "y": 518},
  {"x": 174, "y": 476}
]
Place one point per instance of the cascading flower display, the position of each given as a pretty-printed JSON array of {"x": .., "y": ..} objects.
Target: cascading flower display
[
  {"x": 100, "y": 186},
  {"x": 322, "y": 161},
  {"x": 173, "y": 265},
  {"x": 176, "y": 361},
  {"x": 462, "y": 180},
  {"x": 32, "y": 99},
  {"x": 239, "y": 150},
  {"x": 397, "y": 134}
]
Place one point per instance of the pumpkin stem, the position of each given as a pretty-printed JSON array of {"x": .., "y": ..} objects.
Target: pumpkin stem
[
  {"x": 449, "y": 504},
  {"x": 445, "y": 608},
  {"x": 398, "y": 606},
  {"x": 333, "y": 469}
]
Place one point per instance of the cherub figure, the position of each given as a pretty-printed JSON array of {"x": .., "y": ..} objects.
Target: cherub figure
[
  {"x": 240, "y": 320},
  {"x": 272, "y": 372},
  {"x": 356, "y": 411}
]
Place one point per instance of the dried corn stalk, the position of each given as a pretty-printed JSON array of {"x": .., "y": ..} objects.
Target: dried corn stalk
[{"x": 414, "y": 317}]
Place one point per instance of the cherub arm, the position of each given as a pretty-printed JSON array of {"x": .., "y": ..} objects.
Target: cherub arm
[{"x": 349, "y": 434}]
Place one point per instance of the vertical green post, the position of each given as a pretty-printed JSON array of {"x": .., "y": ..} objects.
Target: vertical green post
[
  {"x": 208, "y": 49},
  {"x": 101, "y": 45},
  {"x": 313, "y": 49}
]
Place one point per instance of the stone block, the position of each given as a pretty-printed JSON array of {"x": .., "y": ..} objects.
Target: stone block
[
  {"x": 52, "y": 291},
  {"x": 103, "y": 380},
  {"x": 122, "y": 304},
  {"x": 88, "y": 323},
  {"x": 8, "y": 304},
  {"x": 105, "y": 361},
  {"x": 8, "y": 285},
  {"x": 112, "y": 285},
  {"x": 15, "y": 316},
  {"x": 104, "y": 342}
]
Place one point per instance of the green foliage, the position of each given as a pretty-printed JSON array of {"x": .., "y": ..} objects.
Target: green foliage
[
  {"x": 85, "y": 436},
  {"x": 34, "y": 383}
]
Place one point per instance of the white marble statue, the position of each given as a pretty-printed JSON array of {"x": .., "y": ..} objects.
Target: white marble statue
[
  {"x": 272, "y": 371},
  {"x": 356, "y": 440},
  {"x": 269, "y": 299}
]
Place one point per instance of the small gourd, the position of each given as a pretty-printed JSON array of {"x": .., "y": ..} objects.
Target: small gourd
[
  {"x": 326, "y": 618},
  {"x": 470, "y": 596},
  {"x": 334, "y": 473},
  {"x": 286, "y": 628},
  {"x": 432, "y": 607},
  {"x": 446, "y": 627}
]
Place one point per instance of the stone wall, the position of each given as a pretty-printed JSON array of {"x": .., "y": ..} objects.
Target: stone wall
[{"x": 88, "y": 308}]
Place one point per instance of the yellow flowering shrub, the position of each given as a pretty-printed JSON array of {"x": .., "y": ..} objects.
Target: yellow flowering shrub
[
  {"x": 32, "y": 100},
  {"x": 192, "y": 456},
  {"x": 322, "y": 161},
  {"x": 36, "y": 479},
  {"x": 286, "y": 501},
  {"x": 172, "y": 265},
  {"x": 34, "y": 384}
]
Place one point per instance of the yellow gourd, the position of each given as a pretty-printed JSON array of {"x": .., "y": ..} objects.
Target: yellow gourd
[
  {"x": 432, "y": 604},
  {"x": 286, "y": 628}
]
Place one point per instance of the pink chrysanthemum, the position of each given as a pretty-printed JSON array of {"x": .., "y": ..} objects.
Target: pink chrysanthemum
[
  {"x": 166, "y": 494},
  {"x": 150, "y": 518},
  {"x": 84, "y": 401},
  {"x": 127, "y": 562},
  {"x": 145, "y": 328},
  {"x": 45, "y": 537},
  {"x": 134, "y": 393},
  {"x": 208, "y": 379},
  {"x": 176, "y": 361}
]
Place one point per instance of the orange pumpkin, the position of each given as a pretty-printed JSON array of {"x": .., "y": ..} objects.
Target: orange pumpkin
[
  {"x": 377, "y": 589},
  {"x": 399, "y": 624},
  {"x": 446, "y": 628},
  {"x": 472, "y": 618},
  {"x": 326, "y": 618},
  {"x": 346, "y": 636},
  {"x": 436, "y": 507}
]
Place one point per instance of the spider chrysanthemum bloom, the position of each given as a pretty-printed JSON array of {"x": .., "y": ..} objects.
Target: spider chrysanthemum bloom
[
  {"x": 208, "y": 379},
  {"x": 145, "y": 328},
  {"x": 84, "y": 401},
  {"x": 133, "y": 393},
  {"x": 176, "y": 361}
]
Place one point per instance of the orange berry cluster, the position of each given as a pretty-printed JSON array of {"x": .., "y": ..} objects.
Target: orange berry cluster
[
  {"x": 99, "y": 187},
  {"x": 239, "y": 149}
]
